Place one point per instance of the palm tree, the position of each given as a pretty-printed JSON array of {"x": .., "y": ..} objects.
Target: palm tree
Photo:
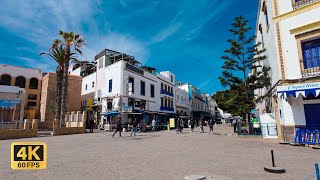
[
  {"x": 57, "y": 54},
  {"x": 69, "y": 39}
]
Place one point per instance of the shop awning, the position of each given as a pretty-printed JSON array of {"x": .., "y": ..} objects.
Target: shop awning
[
  {"x": 111, "y": 113},
  {"x": 296, "y": 89},
  {"x": 135, "y": 111}
]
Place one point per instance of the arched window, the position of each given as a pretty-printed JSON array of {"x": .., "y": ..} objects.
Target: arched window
[
  {"x": 5, "y": 80},
  {"x": 21, "y": 82},
  {"x": 33, "y": 83}
]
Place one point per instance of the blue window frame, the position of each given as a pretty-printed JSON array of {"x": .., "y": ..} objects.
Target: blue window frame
[
  {"x": 311, "y": 53},
  {"x": 110, "y": 85}
]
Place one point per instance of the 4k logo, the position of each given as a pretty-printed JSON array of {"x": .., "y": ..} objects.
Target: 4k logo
[{"x": 28, "y": 155}]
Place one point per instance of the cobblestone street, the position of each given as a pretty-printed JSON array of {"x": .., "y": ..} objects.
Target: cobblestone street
[{"x": 163, "y": 155}]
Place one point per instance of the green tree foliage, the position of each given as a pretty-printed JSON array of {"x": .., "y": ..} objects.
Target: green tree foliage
[
  {"x": 242, "y": 57},
  {"x": 69, "y": 41}
]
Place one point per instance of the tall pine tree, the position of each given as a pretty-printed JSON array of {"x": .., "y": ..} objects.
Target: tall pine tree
[{"x": 242, "y": 57}]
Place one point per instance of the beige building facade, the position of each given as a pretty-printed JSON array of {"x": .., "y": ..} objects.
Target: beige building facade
[
  {"x": 28, "y": 79},
  {"x": 48, "y": 91}
]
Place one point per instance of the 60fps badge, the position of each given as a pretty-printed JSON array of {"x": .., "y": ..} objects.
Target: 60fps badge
[{"x": 28, "y": 155}]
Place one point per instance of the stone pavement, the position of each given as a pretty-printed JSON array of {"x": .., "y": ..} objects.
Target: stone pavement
[{"x": 163, "y": 155}]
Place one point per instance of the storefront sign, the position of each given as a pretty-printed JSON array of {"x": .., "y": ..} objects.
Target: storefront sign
[
  {"x": 171, "y": 122},
  {"x": 89, "y": 103},
  {"x": 294, "y": 87},
  {"x": 126, "y": 109}
]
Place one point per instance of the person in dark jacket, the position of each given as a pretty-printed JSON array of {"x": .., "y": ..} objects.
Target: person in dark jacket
[
  {"x": 192, "y": 125},
  {"x": 202, "y": 123},
  {"x": 211, "y": 123},
  {"x": 178, "y": 126},
  {"x": 134, "y": 127},
  {"x": 91, "y": 124},
  {"x": 118, "y": 127}
]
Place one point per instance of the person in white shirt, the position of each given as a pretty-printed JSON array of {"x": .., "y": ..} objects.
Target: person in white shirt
[{"x": 153, "y": 123}]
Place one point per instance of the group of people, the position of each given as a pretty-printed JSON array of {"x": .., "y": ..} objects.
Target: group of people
[
  {"x": 180, "y": 124},
  {"x": 133, "y": 126}
]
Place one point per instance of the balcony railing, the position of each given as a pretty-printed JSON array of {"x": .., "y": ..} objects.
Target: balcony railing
[
  {"x": 310, "y": 66},
  {"x": 166, "y": 92},
  {"x": 163, "y": 108},
  {"x": 296, "y": 4}
]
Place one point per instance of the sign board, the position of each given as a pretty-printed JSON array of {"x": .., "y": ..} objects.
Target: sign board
[
  {"x": 126, "y": 109},
  {"x": 89, "y": 103},
  {"x": 28, "y": 155},
  {"x": 115, "y": 104},
  {"x": 295, "y": 87},
  {"x": 129, "y": 89},
  {"x": 172, "y": 122}
]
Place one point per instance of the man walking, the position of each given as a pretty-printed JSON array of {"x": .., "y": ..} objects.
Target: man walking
[
  {"x": 192, "y": 125},
  {"x": 118, "y": 127},
  {"x": 153, "y": 125},
  {"x": 134, "y": 127},
  {"x": 211, "y": 125},
  {"x": 178, "y": 126},
  {"x": 91, "y": 124},
  {"x": 201, "y": 125}
]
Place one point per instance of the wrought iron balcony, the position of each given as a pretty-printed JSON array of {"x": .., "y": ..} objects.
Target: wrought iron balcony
[
  {"x": 296, "y": 4},
  {"x": 310, "y": 67}
]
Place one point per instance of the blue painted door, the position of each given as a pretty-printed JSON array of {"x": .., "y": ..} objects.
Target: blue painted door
[{"x": 312, "y": 114}]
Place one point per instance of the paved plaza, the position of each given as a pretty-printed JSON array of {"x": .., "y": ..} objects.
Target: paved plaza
[{"x": 163, "y": 155}]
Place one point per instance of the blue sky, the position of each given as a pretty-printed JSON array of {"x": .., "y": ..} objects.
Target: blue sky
[{"x": 185, "y": 37}]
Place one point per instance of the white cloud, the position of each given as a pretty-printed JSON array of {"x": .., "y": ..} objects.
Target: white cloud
[
  {"x": 118, "y": 42},
  {"x": 173, "y": 27},
  {"x": 39, "y": 22},
  {"x": 44, "y": 66}
]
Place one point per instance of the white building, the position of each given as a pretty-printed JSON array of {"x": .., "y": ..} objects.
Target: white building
[
  {"x": 182, "y": 102},
  {"x": 212, "y": 107},
  {"x": 295, "y": 71},
  {"x": 124, "y": 88},
  {"x": 198, "y": 101}
]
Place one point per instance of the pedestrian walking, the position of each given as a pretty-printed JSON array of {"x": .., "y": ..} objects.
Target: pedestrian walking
[
  {"x": 201, "y": 125},
  {"x": 118, "y": 127},
  {"x": 181, "y": 125},
  {"x": 235, "y": 124},
  {"x": 153, "y": 125},
  {"x": 134, "y": 127},
  {"x": 211, "y": 123},
  {"x": 192, "y": 125},
  {"x": 91, "y": 124},
  {"x": 178, "y": 128}
]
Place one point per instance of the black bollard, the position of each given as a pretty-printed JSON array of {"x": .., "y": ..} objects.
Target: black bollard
[
  {"x": 272, "y": 159},
  {"x": 274, "y": 169}
]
